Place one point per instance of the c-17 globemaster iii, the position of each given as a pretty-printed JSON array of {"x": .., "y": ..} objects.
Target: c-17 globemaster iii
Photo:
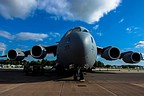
[{"x": 77, "y": 50}]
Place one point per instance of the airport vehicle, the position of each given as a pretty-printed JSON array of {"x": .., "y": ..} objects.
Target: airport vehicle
[{"x": 76, "y": 50}]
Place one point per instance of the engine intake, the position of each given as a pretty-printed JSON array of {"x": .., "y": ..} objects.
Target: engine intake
[
  {"x": 15, "y": 55},
  {"x": 38, "y": 52},
  {"x": 131, "y": 57},
  {"x": 111, "y": 53}
]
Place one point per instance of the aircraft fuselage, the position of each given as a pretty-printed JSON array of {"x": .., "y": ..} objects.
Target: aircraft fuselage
[{"x": 77, "y": 47}]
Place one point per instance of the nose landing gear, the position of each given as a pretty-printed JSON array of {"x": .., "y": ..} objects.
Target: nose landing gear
[{"x": 79, "y": 73}]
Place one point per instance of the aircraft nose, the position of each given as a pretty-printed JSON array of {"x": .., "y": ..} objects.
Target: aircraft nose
[{"x": 81, "y": 44}]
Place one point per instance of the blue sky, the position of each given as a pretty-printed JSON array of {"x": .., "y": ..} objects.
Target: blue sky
[{"x": 25, "y": 23}]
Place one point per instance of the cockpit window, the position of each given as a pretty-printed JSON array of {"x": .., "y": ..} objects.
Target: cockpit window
[
  {"x": 91, "y": 39},
  {"x": 67, "y": 33},
  {"x": 85, "y": 30},
  {"x": 77, "y": 29}
]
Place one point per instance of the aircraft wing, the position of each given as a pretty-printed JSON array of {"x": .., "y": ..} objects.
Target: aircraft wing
[
  {"x": 4, "y": 56},
  {"x": 38, "y": 52},
  {"x": 113, "y": 53},
  {"x": 51, "y": 49},
  {"x": 100, "y": 50}
]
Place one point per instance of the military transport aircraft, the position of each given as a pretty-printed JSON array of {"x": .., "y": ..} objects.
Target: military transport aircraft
[{"x": 77, "y": 50}]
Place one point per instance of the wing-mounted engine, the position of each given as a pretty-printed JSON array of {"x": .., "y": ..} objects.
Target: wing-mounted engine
[
  {"x": 15, "y": 55},
  {"x": 110, "y": 53},
  {"x": 131, "y": 57},
  {"x": 38, "y": 52}
]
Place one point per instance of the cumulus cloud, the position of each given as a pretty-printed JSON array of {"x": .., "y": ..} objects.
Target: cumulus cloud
[
  {"x": 2, "y": 46},
  {"x": 89, "y": 11},
  {"x": 6, "y": 34},
  {"x": 17, "y": 8},
  {"x": 57, "y": 7},
  {"x": 24, "y": 36},
  {"x": 140, "y": 44},
  {"x": 31, "y": 36}
]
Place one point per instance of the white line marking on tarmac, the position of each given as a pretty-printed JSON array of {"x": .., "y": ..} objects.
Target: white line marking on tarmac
[
  {"x": 61, "y": 89},
  {"x": 107, "y": 90},
  {"x": 139, "y": 85},
  {"x": 12, "y": 86}
]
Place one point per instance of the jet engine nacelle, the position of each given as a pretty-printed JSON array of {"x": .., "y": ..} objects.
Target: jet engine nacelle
[
  {"x": 15, "y": 55},
  {"x": 111, "y": 53},
  {"x": 131, "y": 57},
  {"x": 38, "y": 52}
]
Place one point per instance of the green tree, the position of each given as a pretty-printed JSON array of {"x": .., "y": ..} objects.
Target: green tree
[
  {"x": 99, "y": 64},
  {"x": 107, "y": 66}
]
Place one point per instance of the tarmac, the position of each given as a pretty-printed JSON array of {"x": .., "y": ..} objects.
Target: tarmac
[{"x": 99, "y": 83}]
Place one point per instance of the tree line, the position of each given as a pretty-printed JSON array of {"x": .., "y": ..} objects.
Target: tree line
[{"x": 46, "y": 62}]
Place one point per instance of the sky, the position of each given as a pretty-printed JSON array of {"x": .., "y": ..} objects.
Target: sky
[{"x": 25, "y": 23}]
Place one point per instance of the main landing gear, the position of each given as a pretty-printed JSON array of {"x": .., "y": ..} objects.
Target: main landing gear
[{"x": 78, "y": 73}]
